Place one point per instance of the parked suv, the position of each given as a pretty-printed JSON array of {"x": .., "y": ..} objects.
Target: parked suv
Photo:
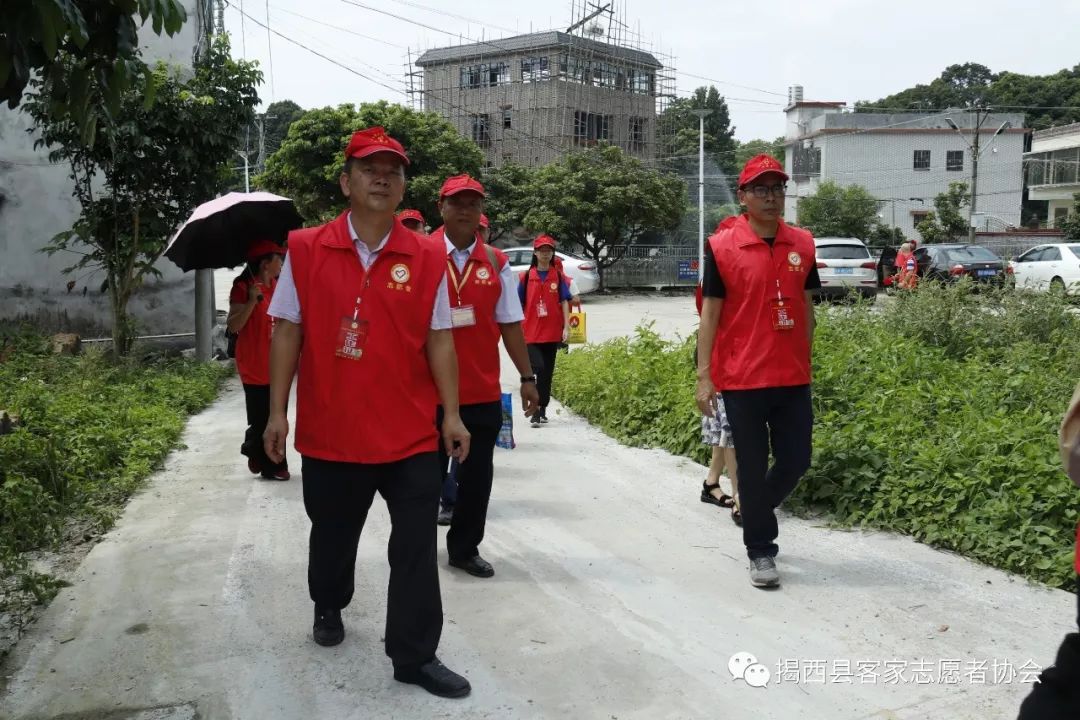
[
  {"x": 949, "y": 262},
  {"x": 845, "y": 265}
]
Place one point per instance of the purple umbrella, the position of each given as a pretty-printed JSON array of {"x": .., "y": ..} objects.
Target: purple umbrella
[{"x": 218, "y": 233}]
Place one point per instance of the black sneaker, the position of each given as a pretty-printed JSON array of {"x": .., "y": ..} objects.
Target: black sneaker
[
  {"x": 436, "y": 678},
  {"x": 543, "y": 415},
  {"x": 534, "y": 421},
  {"x": 328, "y": 630},
  {"x": 446, "y": 516}
]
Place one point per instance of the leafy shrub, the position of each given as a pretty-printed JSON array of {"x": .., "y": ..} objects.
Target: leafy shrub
[
  {"x": 936, "y": 415},
  {"x": 91, "y": 431}
]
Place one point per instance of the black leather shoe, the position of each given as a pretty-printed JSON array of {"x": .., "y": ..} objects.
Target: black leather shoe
[
  {"x": 475, "y": 565},
  {"x": 328, "y": 630},
  {"x": 446, "y": 516},
  {"x": 436, "y": 678}
]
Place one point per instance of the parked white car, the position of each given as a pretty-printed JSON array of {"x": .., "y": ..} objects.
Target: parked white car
[
  {"x": 1049, "y": 267},
  {"x": 581, "y": 270},
  {"x": 845, "y": 265}
]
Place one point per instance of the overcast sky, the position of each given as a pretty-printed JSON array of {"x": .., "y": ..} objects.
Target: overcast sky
[{"x": 840, "y": 50}]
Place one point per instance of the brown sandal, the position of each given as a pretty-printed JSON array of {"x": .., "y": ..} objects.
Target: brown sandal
[{"x": 724, "y": 501}]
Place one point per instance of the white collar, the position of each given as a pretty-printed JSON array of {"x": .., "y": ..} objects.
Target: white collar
[
  {"x": 356, "y": 238},
  {"x": 450, "y": 247}
]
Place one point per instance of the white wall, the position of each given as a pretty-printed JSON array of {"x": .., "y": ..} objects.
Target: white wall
[
  {"x": 882, "y": 162},
  {"x": 37, "y": 204}
]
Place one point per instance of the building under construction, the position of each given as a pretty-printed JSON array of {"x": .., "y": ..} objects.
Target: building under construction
[{"x": 530, "y": 99}]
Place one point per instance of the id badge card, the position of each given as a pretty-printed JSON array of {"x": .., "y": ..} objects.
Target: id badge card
[
  {"x": 462, "y": 316},
  {"x": 782, "y": 317},
  {"x": 352, "y": 336},
  {"x": 541, "y": 310}
]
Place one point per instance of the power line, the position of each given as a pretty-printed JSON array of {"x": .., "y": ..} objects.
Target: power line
[
  {"x": 270, "y": 51},
  {"x": 340, "y": 29}
]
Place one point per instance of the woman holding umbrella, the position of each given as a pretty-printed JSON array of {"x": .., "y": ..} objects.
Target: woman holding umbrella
[{"x": 248, "y": 303}]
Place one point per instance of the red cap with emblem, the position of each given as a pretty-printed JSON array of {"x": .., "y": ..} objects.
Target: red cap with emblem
[
  {"x": 263, "y": 247},
  {"x": 544, "y": 241},
  {"x": 484, "y": 221},
  {"x": 374, "y": 140},
  {"x": 411, "y": 215},
  {"x": 759, "y": 165},
  {"x": 461, "y": 183}
]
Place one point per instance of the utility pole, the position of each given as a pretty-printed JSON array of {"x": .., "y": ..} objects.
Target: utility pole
[
  {"x": 701, "y": 115},
  {"x": 981, "y": 116},
  {"x": 260, "y": 163},
  {"x": 975, "y": 175}
]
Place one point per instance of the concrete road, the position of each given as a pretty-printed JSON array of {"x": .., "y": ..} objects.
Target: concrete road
[{"x": 617, "y": 594}]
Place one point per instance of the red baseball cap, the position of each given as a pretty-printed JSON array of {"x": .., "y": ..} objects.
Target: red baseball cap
[
  {"x": 461, "y": 183},
  {"x": 759, "y": 165},
  {"x": 542, "y": 241},
  {"x": 374, "y": 140},
  {"x": 263, "y": 247},
  {"x": 484, "y": 220},
  {"x": 412, "y": 215}
]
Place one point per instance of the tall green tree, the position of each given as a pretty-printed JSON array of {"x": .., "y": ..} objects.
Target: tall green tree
[
  {"x": 746, "y": 150},
  {"x": 307, "y": 165},
  {"x": 602, "y": 201},
  {"x": 679, "y": 130},
  {"x": 280, "y": 116},
  {"x": 87, "y": 51},
  {"x": 146, "y": 168},
  {"x": 947, "y": 222},
  {"x": 1046, "y": 100},
  {"x": 839, "y": 211}
]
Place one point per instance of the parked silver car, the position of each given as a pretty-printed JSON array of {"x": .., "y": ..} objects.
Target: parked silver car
[
  {"x": 845, "y": 265},
  {"x": 581, "y": 270}
]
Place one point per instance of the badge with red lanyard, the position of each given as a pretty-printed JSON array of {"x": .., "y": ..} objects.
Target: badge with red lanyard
[
  {"x": 781, "y": 311},
  {"x": 353, "y": 332}
]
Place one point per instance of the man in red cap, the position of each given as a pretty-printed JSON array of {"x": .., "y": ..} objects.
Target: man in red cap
[
  {"x": 413, "y": 220},
  {"x": 363, "y": 311},
  {"x": 484, "y": 307},
  {"x": 754, "y": 346}
]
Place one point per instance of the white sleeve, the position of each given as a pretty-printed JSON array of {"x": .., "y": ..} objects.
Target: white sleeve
[
  {"x": 440, "y": 314},
  {"x": 508, "y": 309},
  {"x": 285, "y": 304}
]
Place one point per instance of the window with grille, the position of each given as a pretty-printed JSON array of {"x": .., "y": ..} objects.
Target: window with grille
[
  {"x": 954, "y": 160},
  {"x": 922, "y": 160},
  {"x": 481, "y": 130},
  {"x": 534, "y": 69}
]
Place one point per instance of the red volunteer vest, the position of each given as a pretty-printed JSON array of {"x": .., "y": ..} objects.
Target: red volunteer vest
[
  {"x": 381, "y": 407},
  {"x": 478, "y": 345},
  {"x": 253, "y": 341},
  {"x": 547, "y": 329},
  {"x": 748, "y": 352}
]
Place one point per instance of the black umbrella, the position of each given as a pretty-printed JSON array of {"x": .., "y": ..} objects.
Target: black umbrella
[{"x": 218, "y": 233}]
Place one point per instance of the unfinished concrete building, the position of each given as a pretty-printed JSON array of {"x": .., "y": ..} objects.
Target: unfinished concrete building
[{"x": 532, "y": 98}]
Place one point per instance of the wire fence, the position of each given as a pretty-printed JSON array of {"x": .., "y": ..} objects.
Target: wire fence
[{"x": 654, "y": 266}]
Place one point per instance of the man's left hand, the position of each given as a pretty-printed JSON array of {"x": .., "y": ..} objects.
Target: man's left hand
[
  {"x": 530, "y": 398},
  {"x": 456, "y": 438}
]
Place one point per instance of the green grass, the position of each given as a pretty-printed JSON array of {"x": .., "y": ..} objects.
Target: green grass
[
  {"x": 935, "y": 417},
  {"x": 91, "y": 432}
]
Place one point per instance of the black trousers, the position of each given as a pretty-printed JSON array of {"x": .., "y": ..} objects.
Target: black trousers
[
  {"x": 474, "y": 478},
  {"x": 1057, "y": 694},
  {"x": 337, "y": 497},
  {"x": 257, "y": 402},
  {"x": 542, "y": 359},
  {"x": 782, "y": 418}
]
